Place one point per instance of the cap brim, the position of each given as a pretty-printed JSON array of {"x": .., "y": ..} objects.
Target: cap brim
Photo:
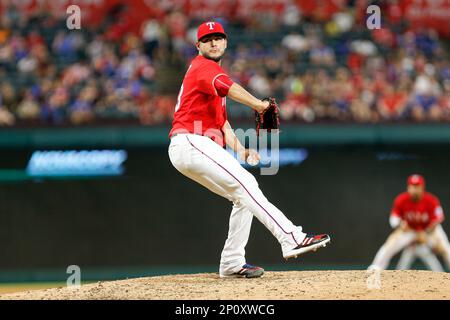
[
  {"x": 213, "y": 34},
  {"x": 416, "y": 184}
]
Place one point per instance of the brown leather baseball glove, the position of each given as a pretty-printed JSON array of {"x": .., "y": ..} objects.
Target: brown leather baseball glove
[{"x": 270, "y": 119}]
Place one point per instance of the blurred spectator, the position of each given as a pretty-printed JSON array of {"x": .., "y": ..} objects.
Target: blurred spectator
[
  {"x": 177, "y": 24},
  {"x": 75, "y": 74},
  {"x": 344, "y": 21},
  {"x": 151, "y": 34},
  {"x": 6, "y": 117},
  {"x": 11, "y": 15},
  {"x": 426, "y": 83},
  {"x": 259, "y": 84},
  {"x": 28, "y": 108},
  {"x": 384, "y": 37},
  {"x": 291, "y": 15},
  {"x": 8, "y": 98},
  {"x": 54, "y": 109},
  {"x": 364, "y": 47},
  {"x": 427, "y": 42},
  {"x": 4, "y": 30},
  {"x": 344, "y": 94},
  {"x": 322, "y": 55},
  {"x": 361, "y": 111},
  {"x": 392, "y": 103},
  {"x": 295, "y": 42},
  {"x": 82, "y": 109},
  {"x": 67, "y": 44},
  {"x": 444, "y": 101},
  {"x": 27, "y": 64},
  {"x": 426, "y": 93}
]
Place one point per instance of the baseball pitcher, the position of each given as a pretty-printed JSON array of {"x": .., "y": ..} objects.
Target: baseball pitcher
[
  {"x": 200, "y": 130},
  {"x": 416, "y": 216}
]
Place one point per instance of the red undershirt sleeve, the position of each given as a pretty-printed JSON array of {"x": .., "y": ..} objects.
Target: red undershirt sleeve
[{"x": 222, "y": 85}]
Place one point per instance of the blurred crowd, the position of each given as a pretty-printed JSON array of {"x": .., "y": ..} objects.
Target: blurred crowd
[
  {"x": 386, "y": 76},
  {"x": 332, "y": 70}
]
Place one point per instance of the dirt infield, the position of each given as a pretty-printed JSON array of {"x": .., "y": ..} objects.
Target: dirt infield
[{"x": 273, "y": 285}]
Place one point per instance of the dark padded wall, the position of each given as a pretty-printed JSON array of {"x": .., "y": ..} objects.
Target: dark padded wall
[{"x": 154, "y": 216}]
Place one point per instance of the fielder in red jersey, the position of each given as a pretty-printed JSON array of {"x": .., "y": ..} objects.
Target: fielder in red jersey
[
  {"x": 416, "y": 217},
  {"x": 420, "y": 215}
]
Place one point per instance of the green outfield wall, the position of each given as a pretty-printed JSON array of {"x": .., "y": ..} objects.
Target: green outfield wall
[
  {"x": 292, "y": 134},
  {"x": 152, "y": 217}
]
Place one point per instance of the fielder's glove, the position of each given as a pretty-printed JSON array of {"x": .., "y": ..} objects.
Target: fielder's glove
[
  {"x": 270, "y": 119},
  {"x": 422, "y": 237}
]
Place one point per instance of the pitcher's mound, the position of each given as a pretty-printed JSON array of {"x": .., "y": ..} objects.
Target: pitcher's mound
[{"x": 273, "y": 286}]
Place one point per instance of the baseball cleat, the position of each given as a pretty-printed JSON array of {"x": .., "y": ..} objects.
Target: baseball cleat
[
  {"x": 310, "y": 243},
  {"x": 247, "y": 271}
]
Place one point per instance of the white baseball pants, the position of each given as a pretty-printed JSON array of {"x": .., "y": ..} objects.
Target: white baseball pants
[
  {"x": 204, "y": 161},
  {"x": 424, "y": 253},
  {"x": 398, "y": 240}
]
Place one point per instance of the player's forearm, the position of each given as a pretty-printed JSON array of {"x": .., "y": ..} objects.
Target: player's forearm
[
  {"x": 239, "y": 94},
  {"x": 231, "y": 140}
]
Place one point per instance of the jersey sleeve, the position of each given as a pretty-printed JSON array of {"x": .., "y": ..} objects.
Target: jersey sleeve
[
  {"x": 223, "y": 84},
  {"x": 207, "y": 77},
  {"x": 396, "y": 210},
  {"x": 437, "y": 213},
  {"x": 396, "y": 213}
]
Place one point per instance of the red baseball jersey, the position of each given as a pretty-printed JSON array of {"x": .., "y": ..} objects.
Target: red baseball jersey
[
  {"x": 421, "y": 214},
  {"x": 201, "y": 105}
]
